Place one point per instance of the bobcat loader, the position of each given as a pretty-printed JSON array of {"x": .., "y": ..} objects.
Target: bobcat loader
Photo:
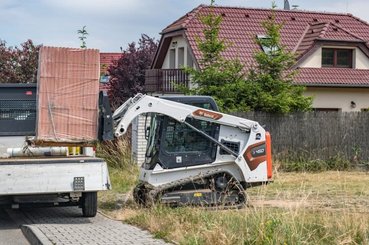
[{"x": 195, "y": 154}]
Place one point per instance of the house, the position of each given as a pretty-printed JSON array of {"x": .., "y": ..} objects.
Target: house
[
  {"x": 106, "y": 60},
  {"x": 332, "y": 51}
]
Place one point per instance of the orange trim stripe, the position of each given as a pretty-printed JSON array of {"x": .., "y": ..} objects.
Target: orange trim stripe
[{"x": 269, "y": 155}]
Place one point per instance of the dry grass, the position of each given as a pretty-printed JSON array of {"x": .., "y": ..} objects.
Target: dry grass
[
  {"x": 298, "y": 208},
  {"x": 123, "y": 173},
  {"x": 333, "y": 189}
]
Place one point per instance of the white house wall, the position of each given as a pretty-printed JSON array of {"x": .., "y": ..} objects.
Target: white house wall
[
  {"x": 314, "y": 60},
  {"x": 138, "y": 139},
  {"x": 361, "y": 61},
  {"x": 180, "y": 43},
  {"x": 339, "y": 98}
]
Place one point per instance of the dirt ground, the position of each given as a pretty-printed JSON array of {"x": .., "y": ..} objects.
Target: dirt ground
[{"x": 327, "y": 190}]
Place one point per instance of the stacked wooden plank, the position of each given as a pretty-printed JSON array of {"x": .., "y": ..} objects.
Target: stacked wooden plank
[{"x": 68, "y": 87}]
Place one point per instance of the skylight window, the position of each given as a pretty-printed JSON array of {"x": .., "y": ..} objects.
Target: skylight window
[{"x": 263, "y": 40}]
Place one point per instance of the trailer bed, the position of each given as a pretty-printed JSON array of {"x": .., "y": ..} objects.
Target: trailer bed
[{"x": 31, "y": 176}]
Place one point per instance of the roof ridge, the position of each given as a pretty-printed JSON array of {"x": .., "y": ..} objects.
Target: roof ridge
[
  {"x": 325, "y": 29},
  {"x": 283, "y": 10},
  {"x": 302, "y": 37}
]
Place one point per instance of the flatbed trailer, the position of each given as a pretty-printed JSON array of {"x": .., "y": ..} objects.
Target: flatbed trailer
[
  {"x": 42, "y": 180},
  {"x": 71, "y": 181}
]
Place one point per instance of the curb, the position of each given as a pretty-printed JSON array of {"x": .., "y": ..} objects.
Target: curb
[{"x": 35, "y": 236}]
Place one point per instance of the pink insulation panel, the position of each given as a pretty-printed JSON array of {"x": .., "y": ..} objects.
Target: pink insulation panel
[{"x": 68, "y": 87}]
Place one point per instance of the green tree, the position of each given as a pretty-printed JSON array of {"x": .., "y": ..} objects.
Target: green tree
[
  {"x": 270, "y": 85},
  {"x": 18, "y": 64},
  {"x": 83, "y": 36},
  {"x": 127, "y": 75},
  {"x": 217, "y": 77}
]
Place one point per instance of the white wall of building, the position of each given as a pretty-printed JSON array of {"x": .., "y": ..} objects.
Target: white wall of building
[
  {"x": 314, "y": 60},
  {"x": 177, "y": 44},
  {"x": 339, "y": 98},
  {"x": 138, "y": 139},
  {"x": 360, "y": 60}
]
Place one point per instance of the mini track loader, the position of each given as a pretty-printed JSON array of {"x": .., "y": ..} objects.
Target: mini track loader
[{"x": 195, "y": 154}]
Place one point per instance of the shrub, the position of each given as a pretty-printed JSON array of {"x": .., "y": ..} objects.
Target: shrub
[{"x": 301, "y": 163}]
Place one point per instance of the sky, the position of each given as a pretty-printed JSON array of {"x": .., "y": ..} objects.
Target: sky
[{"x": 112, "y": 24}]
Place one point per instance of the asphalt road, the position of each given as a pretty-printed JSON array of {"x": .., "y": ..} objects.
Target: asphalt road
[{"x": 10, "y": 233}]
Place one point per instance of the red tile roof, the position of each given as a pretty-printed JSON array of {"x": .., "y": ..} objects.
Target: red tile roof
[
  {"x": 241, "y": 25},
  {"x": 332, "y": 76},
  {"x": 327, "y": 32},
  {"x": 337, "y": 33},
  {"x": 107, "y": 59},
  {"x": 312, "y": 33}
]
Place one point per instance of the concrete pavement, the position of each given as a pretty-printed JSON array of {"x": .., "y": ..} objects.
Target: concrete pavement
[
  {"x": 10, "y": 233},
  {"x": 66, "y": 226}
]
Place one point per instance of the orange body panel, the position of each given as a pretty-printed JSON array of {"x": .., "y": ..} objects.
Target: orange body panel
[{"x": 269, "y": 155}]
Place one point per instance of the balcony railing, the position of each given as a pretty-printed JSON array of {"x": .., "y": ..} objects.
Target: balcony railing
[{"x": 165, "y": 80}]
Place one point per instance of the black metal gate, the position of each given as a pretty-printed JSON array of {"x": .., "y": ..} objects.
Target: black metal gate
[{"x": 17, "y": 109}]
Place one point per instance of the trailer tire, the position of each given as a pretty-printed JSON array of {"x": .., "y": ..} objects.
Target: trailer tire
[{"x": 89, "y": 204}]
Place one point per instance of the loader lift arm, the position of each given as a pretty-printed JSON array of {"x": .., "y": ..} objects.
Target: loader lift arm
[{"x": 141, "y": 104}]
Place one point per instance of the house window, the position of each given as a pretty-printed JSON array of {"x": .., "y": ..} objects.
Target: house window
[
  {"x": 189, "y": 59},
  {"x": 332, "y": 57},
  {"x": 172, "y": 58},
  {"x": 181, "y": 56}
]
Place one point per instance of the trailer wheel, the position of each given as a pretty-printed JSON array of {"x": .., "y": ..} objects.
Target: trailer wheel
[{"x": 89, "y": 204}]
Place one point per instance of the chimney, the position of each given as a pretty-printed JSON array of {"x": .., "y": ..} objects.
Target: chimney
[{"x": 286, "y": 5}]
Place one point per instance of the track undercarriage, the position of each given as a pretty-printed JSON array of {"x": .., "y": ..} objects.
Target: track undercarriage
[{"x": 212, "y": 190}]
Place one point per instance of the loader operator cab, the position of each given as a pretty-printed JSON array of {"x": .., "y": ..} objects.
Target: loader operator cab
[{"x": 173, "y": 144}]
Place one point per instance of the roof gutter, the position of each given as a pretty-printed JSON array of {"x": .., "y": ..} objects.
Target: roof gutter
[{"x": 333, "y": 85}]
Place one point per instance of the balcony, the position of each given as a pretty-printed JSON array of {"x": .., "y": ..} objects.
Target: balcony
[{"x": 165, "y": 80}]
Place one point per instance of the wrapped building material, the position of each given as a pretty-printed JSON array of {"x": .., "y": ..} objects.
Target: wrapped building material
[{"x": 67, "y": 102}]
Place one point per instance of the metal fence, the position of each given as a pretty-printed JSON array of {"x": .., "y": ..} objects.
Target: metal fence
[
  {"x": 317, "y": 135},
  {"x": 165, "y": 80}
]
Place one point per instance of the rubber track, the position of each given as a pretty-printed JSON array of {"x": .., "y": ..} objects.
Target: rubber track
[{"x": 153, "y": 194}]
